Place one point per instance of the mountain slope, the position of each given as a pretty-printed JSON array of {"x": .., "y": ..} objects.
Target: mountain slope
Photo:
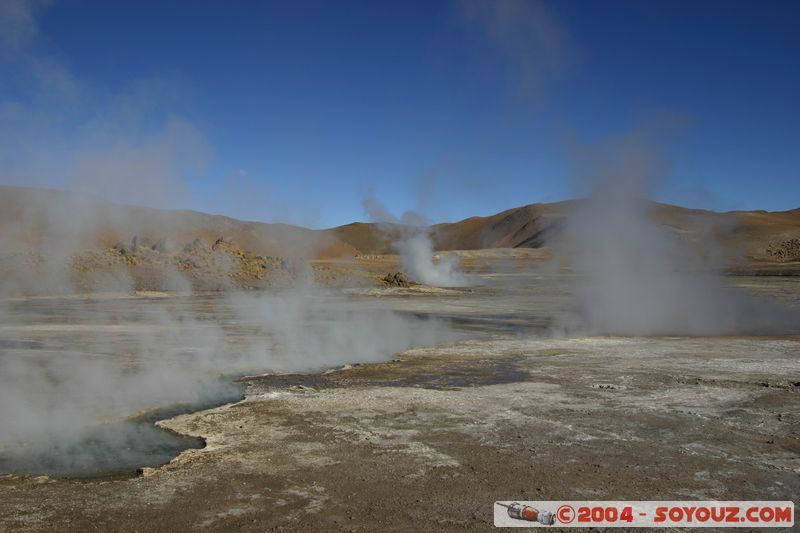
[
  {"x": 61, "y": 221},
  {"x": 44, "y": 219}
]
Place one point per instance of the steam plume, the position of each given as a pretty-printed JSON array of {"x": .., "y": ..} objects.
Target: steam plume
[
  {"x": 635, "y": 276},
  {"x": 415, "y": 246},
  {"x": 70, "y": 365}
]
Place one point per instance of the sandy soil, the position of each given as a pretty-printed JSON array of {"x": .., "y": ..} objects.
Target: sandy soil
[{"x": 430, "y": 440}]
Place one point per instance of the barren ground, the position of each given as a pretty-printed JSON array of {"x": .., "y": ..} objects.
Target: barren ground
[{"x": 431, "y": 439}]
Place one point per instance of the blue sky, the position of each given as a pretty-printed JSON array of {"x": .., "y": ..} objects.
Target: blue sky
[{"x": 292, "y": 111}]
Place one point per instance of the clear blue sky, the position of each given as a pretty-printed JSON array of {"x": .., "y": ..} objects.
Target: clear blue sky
[{"x": 291, "y": 111}]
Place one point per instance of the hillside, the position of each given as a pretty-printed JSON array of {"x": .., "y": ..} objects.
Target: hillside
[
  {"x": 59, "y": 222},
  {"x": 754, "y": 235},
  {"x": 45, "y": 219}
]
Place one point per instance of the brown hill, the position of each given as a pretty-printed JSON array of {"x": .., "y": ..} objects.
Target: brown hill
[
  {"x": 529, "y": 226},
  {"x": 757, "y": 235},
  {"x": 58, "y": 221}
]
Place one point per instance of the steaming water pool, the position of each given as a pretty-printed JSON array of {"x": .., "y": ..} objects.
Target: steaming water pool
[
  {"x": 116, "y": 447},
  {"x": 76, "y": 373},
  {"x": 110, "y": 449}
]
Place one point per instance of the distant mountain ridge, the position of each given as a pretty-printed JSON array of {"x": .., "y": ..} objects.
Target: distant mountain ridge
[{"x": 45, "y": 218}]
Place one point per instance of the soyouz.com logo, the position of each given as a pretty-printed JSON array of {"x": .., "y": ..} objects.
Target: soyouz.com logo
[{"x": 747, "y": 514}]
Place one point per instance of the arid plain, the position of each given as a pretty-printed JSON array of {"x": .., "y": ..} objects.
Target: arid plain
[
  {"x": 492, "y": 405},
  {"x": 169, "y": 371}
]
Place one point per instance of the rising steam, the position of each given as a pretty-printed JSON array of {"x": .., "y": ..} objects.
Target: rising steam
[
  {"x": 70, "y": 365},
  {"x": 111, "y": 357},
  {"x": 636, "y": 277},
  {"x": 418, "y": 260},
  {"x": 414, "y": 243}
]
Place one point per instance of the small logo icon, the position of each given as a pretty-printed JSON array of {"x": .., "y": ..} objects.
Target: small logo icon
[
  {"x": 565, "y": 514},
  {"x": 530, "y": 514}
]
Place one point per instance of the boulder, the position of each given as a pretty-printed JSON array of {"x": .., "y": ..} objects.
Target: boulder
[{"x": 398, "y": 279}]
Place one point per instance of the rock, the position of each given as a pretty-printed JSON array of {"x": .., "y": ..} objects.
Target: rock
[
  {"x": 398, "y": 279},
  {"x": 785, "y": 250}
]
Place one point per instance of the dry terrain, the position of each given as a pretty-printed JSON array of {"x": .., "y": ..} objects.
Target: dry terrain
[
  {"x": 186, "y": 371},
  {"x": 55, "y": 241},
  {"x": 429, "y": 439}
]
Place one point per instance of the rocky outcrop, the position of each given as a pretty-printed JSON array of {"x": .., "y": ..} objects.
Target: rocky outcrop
[
  {"x": 784, "y": 250},
  {"x": 398, "y": 279}
]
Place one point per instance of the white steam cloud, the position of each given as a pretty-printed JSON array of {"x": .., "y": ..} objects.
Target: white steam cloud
[
  {"x": 70, "y": 366},
  {"x": 635, "y": 277},
  {"x": 535, "y": 45},
  {"x": 414, "y": 243},
  {"x": 57, "y": 130},
  {"x": 418, "y": 260}
]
